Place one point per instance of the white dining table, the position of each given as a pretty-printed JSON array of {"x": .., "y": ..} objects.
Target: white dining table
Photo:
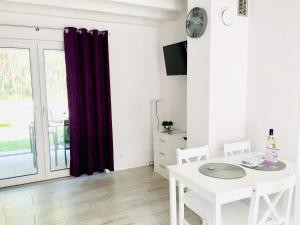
[{"x": 220, "y": 191}]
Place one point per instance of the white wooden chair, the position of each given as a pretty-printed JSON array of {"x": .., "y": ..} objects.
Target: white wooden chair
[
  {"x": 270, "y": 205},
  {"x": 278, "y": 199},
  {"x": 188, "y": 197},
  {"x": 231, "y": 149}
]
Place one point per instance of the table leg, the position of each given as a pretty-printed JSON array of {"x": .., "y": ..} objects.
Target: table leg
[
  {"x": 216, "y": 220},
  {"x": 181, "y": 205},
  {"x": 173, "y": 217}
]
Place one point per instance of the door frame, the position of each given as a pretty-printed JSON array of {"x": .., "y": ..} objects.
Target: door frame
[
  {"x": 32, "y": 46},
  {"x": 38, "y": 81},
  {"x": 47, "y": 45}
]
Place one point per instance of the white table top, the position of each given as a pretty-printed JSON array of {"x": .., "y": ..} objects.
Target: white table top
[{"x": 226, "y": 190}]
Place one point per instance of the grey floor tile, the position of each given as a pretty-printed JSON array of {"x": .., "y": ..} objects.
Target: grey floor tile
[{"x": 130, "y": 197}]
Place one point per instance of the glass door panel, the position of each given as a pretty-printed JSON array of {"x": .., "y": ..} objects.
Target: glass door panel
[
  {"x": 18, "y": 152},
  {"x": 34, "y": 118},
  {"x": 57, "y": 109}
]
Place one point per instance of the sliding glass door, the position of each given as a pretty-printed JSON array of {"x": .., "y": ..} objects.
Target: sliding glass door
[
  {"x": 55, "y": 105},
  {"x": 34, "y": 125}
]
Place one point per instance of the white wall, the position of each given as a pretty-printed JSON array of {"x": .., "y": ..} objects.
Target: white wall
[
  {"x": 134, "y": 63},
  {"x": 274, "y": 81},
  {"x": 198, "y": 82},
  {"x": 173, "y": 88},
  {"x": 228, "y": 77},
  {"x": 217, "y": 78}
]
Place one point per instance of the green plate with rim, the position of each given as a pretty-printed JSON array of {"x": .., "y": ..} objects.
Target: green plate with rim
[{"x": 222, "y": 170}]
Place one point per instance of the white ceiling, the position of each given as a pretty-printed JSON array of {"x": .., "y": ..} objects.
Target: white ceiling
[{"x": 157, "y": 10}]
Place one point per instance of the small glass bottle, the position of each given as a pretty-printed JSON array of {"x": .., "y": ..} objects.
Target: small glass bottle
[
  {"x": 271, "y": 143},
  {"x": 271, "y": 148}
]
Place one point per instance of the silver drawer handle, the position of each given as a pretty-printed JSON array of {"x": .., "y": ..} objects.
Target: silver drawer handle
[
  {"x": 162, "y": 166},
  {"x": 161, "y": 140},
  {"x": 162, "y": 153}
]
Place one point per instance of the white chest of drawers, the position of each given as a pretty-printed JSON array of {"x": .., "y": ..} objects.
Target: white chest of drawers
[{"x": 165, "y": 146}]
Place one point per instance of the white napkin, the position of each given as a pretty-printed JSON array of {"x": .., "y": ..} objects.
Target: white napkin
[{"x": 251, "y": 161}]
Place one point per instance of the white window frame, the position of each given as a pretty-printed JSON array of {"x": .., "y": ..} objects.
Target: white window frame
[{"x": 36, "y": 47}]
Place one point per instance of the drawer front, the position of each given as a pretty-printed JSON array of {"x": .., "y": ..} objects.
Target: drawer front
[
  {"x": 161, "y": 156},
  {"x": 168, "y": 157},
  {"x": 161, "y": 149},
  {"x": 161, "y": 168},
  {"x": 179, "y": 142},
  {"x": 172, "y": 159},
  {"x": 165, "y": 151},
  {"x": 165, "y": 160},
  {"x": 163, "y": 142}
]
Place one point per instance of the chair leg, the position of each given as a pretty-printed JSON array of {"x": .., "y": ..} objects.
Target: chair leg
[
  {"x": 181, "y": 206},
  {"x": 181, "y": 214}
]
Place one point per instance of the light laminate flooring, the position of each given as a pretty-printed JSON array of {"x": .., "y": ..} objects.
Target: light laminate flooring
[{"x": 136, "y": 196}]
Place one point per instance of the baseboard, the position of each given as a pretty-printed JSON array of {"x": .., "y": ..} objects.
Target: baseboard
[{"x": 141, "y": 164}]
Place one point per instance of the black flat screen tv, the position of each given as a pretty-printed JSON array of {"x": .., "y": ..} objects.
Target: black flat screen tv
[{"x": 176, "y": 58}]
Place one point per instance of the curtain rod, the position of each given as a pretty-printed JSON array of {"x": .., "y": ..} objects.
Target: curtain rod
[{"x": 37, "y": 28}]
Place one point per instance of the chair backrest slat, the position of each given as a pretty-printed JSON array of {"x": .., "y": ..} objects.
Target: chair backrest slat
[
  {"x": 192, "y": 154},
  {"x": 277, "y": 197},
  {"x": 237, "y": 148}
]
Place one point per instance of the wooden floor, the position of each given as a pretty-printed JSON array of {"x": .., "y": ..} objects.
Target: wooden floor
[{"x": 129, "y": 197}]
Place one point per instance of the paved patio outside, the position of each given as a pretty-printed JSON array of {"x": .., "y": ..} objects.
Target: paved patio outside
[{"x": 21, "y": 163}]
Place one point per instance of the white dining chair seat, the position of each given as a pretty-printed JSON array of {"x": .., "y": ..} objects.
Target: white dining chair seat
[
  {"x": 196, "y": 203},
  {"x": 235, "y": 213}
]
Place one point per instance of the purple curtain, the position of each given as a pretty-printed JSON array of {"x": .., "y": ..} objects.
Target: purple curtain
[{"x": 88, "y": 82}]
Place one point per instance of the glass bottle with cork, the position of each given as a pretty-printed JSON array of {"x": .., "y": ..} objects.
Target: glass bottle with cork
[{"x": 271, "y": 149}]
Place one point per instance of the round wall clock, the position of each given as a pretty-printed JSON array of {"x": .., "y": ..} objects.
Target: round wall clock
[{"x": 196, "y": 22}]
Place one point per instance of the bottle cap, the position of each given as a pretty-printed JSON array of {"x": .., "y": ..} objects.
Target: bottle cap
[{"x": 271, "y": 132}]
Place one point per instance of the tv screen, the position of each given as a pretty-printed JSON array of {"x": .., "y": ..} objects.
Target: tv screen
[{"x": 176, "y": 58}]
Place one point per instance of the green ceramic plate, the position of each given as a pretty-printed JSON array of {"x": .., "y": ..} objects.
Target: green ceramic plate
[{"x": 222, "y": 170}]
